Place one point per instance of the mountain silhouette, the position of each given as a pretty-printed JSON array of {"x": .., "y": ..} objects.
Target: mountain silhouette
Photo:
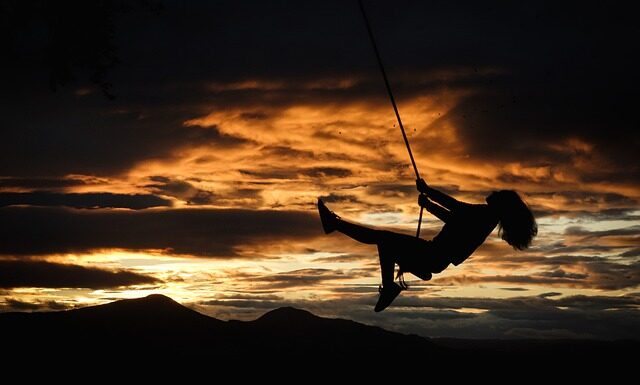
[{"x": 157, "y": 328}]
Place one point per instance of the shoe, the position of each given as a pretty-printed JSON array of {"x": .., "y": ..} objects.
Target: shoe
[
  {"x": 387, "y": 295},
  {"x": 327, "y": 217}
]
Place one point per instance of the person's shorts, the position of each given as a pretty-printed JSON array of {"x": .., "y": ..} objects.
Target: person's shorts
[{"x": 414, "y": 255}]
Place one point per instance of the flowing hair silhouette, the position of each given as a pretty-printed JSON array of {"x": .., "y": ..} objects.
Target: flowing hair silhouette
[{"x": 516, "y": 226}]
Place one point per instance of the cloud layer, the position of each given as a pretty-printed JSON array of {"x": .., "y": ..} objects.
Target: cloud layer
[
  {"x": 16, "y": 274},
  {"x": 202, "y": 232}
]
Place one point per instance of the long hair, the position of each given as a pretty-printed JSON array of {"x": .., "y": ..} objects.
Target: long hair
[{"x": 517, "y": 224}]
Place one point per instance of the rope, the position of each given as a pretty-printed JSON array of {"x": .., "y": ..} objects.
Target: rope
[{"x": 393, "y": 102}]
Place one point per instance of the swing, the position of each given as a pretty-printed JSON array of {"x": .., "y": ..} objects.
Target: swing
[{"x": 393, "y": 103}]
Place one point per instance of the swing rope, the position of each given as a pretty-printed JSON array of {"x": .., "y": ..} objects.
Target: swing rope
[{"x": 393, "y": 102}]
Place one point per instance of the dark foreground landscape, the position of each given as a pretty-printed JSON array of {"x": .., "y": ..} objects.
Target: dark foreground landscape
[{"x": 158, "y": 328}]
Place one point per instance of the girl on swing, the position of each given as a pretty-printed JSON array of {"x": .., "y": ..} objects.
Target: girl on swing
[{"x": 466, "y": 226}]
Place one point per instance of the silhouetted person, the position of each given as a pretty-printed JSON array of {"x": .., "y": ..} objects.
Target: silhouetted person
[{"x": 465, "y": 229}]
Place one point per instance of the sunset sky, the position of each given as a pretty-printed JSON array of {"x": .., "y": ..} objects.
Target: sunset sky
[{"x": 199, "y": 179}]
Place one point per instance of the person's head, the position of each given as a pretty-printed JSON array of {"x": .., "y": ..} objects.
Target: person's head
[{"x": 517, "y": 224}]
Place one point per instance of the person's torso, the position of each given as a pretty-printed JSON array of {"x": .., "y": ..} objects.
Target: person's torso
[{"x": 465, "y": 231}]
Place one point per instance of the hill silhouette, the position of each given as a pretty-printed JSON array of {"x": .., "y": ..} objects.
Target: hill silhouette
[
  {"x": 156, "y": 327},
  {"x": 158, "y": 324}
]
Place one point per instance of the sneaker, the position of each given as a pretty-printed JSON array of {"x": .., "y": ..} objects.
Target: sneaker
[
  {"x": 387, "y": 295},
  {"x": 327, "y": 217}
]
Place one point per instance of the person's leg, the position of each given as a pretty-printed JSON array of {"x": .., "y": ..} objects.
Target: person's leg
[
  {"x": 360, "y": 233},
  {"x": 332, "y": 222},
  {"x": 387, "y": 265},
  {"x": 386, "y": 251},
  {"x": 389, "y": 289},
  {"x": 389, "y": 245}
]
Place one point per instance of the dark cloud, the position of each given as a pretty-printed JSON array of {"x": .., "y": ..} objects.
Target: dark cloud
[
  {"x": 346, "y": 258},
  {"x": 305, "y": 277},
  {"x": 222, "y": 27},
  {"x": 556, "y": 248},
  {"x": 68, "y": 136},
  {"x": 83, "y": 200},
  {"x": 567, "y": 317},
  {"x": 510, "y": 317},
  {"x": 633, "y": 231},
  {"x": 356, "y": 201},
  {"x": 40, "y": 183},
  {"x": 539, "y": 73},
  {"x": 514, "y": 289},
  {"x": 83, "y": 133},
  {"x": 206, "y": 232},
  {"x": 15, "y": 274},
  {"x": 290, "y": 173},
  {"x": 250, "y": 296},
  {"x": 625, "y": 237},
  {"x": 181, "y": 189},
  {"x": 340, "y": 198},
  {"x": 604, "y": 214},
  {"x": 299, "y": 278},
  {"x": 517, "y": 304},
  {"x": 286, "y": 152},
  {"x": 599, "y": 302},
  {"x": 271, "y": 173},
  {"x": 324, "y": 172},
  {"x": 625, "y": 214},
  {"x": 18, "y": 305},
  {"x": 74, "y": 38},
  {"x": 245, "y": 197},
  {"x": 394, "y": 190},
  {"x": 289, "y": 153},
  {"x": 12, "y": 304},
  {"x": 558, "y": 81},
  {"x": 589, "y": 198},
  {"x": 550, "y": 96},
  {"x": 635, "y": 252},
  {"x": 561, "y": 271}
]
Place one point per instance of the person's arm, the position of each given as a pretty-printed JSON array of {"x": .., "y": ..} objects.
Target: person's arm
[
  {"x": 439, "y": 197},
  {"x": 439, "y": 211}
]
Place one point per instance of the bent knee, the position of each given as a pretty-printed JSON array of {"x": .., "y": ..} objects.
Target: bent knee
[
  {"x": 439, "y": 267},
  {"x": 425, "y": 276}
]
